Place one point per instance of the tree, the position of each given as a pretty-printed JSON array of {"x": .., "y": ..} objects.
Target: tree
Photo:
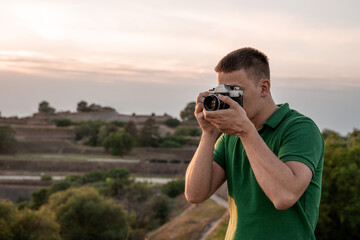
[
  {"x": 83, "y": 214},
  {"x": 161, "y": 207},
  {"x": 82, "y": 107},
  {"x": 149, "y": 135},
  {"x": 130, "y": 127},
  {"x": 172, "y": 122},
  {"x": 32, "y": 225},
  {"x": 7, "y": 139},
  {"x": 188, "y": 112},
  {"x": 104, "y": 131},
  {"x": 118, "y": 143},
  {"x": 173, "y": 188},
  {"x": 44, "y": 107},
  {"x": 7, "y": 219},
  {"x": 89, "y": 129},
  {"x": 340, "y": 205},
  {"x": 26, "y": 224}
]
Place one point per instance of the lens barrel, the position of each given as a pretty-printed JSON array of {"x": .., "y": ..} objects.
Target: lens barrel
[{"x": 212, "y": 103}]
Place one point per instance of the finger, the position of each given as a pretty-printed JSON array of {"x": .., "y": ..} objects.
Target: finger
[
  {"x": 199, "y": 107},
  {"x": 209, "y": 115},
  {"x": 228, "y": 101},
  {"x": 202, "y": 96}
]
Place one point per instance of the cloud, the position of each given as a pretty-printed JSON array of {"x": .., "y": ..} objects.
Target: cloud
[{"x": 70, "y": 69}]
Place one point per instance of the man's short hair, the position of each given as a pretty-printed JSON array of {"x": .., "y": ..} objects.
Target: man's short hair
[{"x": 254, "y": 62}]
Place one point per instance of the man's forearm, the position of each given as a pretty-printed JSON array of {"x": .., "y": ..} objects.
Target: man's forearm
[
  {"x": 198, "y": 176},
  {"x": 277, "y": 179}
]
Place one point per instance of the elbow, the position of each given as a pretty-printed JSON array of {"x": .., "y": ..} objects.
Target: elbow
[
  {"x": 193, "y": 198},
  {"x": 284, "y": 202}
]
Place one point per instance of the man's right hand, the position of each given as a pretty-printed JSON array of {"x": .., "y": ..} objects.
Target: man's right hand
[{"x": 206, "y": 126}]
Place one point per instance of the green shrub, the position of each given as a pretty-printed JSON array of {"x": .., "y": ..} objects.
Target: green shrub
[
  {"x": 170, "y": 144},
  {"x": 83, "y": 214},
  {"x": 7, "y": 139},
  {"x": 181, "y": 140},
  {"x": 173, "y": 188},
  {"x": 149, "y": 134},
  {"x": 46, "y": 177},
  {"x": 90, "y": 130},
  {"x": 26, "y": 224},
  {"x": 63, "y": 122},
  {"x": 161, "y": 206},
  {"x": 31, "y": 225},
  {"x": 187, "y": 131},
  {"x": 59, "y": 186},
  {"x": 121, "y": 173},
  {"x": 39, "y": 197},
  {"x": 172, "y": 122},
  {"x": 117, "y": 123},
  {"x": 92, "y": 176},
  {"x": 7, "y": 218},
  {"x": 118, "y": 143}
]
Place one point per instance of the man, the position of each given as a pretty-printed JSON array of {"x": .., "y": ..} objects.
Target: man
[{"x": 270, "y": 155}]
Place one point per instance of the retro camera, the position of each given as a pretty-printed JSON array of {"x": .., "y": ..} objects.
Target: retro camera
[{"x": 213, "y": 103}]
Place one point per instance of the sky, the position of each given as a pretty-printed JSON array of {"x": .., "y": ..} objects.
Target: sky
[{"x": 155, "y": 56}]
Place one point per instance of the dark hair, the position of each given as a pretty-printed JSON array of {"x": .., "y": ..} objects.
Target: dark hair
[{"x": 254, "y": 62}]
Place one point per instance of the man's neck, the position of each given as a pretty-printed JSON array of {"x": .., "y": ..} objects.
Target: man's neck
[{"x": 269, "y": 108}]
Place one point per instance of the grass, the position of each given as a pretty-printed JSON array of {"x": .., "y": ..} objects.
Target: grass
[
  {"x": 191, "y": 223},
  {"x": 220, "y": 230}
]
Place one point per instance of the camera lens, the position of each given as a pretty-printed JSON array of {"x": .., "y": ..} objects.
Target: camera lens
[{"x": 211, "y": 103}]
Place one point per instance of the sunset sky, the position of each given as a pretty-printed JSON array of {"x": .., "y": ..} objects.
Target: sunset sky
[{"x": 156, "y": 56}]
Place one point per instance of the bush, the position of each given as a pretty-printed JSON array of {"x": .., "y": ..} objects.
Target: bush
[
  {"x": 172, "y": 122},
  {"x": 26, "y": 224},
  {"x": 39, "y": 197},
  {"x": 31, "y": 225},
  {"x": 104, "y": 131},
  {"x": 149, "y": 135},
  {"x": 92, "y": 176},
  {"x": 121, "y": 173},
  {"x": 84, "y": 214},
  {"x": 7, "y": 219},
  {"x": 173, "y": 188},
  {"x": 170, "y": 144},
  {"x": 59, "y": 186},
  {"x": 89, "y": 129},
  {"x": 131, "y": 128},
  {"x": 161, "y": 207},
  {"x": 63, "y": 122},
  {"x": 7, "y": 139},
  {"x": 46, "y": 177},
  {"x": 187, "y": 131},
  {"x": 118, "y": 143},
  {"x": 117, "y": 123}
]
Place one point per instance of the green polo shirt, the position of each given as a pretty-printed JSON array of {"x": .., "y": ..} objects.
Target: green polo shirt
[{"x": 292, "y": 137}]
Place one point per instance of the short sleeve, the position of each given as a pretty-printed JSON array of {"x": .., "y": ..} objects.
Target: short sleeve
[
  {"x": 302, "y": 142},
  {"x": 219, "y": 151}
]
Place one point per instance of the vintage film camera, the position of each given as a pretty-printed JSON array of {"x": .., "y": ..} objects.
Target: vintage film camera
[{"x": 213, "y": 103}]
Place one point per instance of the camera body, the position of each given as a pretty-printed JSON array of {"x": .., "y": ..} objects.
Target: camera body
[{"x": 213, "y": 103}]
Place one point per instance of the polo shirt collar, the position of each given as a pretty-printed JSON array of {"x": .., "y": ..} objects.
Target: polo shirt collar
[{"x": 274, "y": 120}]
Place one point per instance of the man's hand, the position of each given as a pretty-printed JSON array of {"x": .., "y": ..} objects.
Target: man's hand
[
  {"x": 232, "y": 121},
  {"x": 205, "y": 125}
]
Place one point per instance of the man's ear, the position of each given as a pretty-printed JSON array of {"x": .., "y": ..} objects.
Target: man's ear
[{"x": 264, "y": 84}]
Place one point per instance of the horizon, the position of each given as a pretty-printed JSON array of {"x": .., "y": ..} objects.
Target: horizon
[{"x": 156, "y": 57}]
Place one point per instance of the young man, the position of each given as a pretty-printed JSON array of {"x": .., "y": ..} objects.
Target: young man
[{"x": 270, "y": 155}]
